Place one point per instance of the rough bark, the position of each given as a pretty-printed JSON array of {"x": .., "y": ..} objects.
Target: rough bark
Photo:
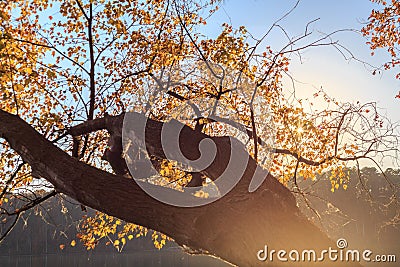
[{"x": 233, "y": 228}]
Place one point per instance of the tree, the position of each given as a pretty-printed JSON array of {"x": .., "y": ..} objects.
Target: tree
[
  {"x": 383, "y": 30},
  {"x": 72, "y": 78}
]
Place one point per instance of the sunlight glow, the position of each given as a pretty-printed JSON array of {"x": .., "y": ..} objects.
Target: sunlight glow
[{"x": 300, "y": 130}]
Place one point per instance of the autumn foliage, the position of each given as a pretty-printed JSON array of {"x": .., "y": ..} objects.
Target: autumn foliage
[
  {"x": 384, "y": 32},
  {"x": 64, "y": 63}
]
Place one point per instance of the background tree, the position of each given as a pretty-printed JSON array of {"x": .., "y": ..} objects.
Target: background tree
[{"x": 74, "y": 68}]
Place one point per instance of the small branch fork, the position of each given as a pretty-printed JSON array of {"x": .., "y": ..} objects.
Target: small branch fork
[{"x": 19, "y": 211}]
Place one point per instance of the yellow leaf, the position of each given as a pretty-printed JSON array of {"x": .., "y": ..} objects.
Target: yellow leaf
[
  {"x": 73, "y": 243},
  {"x": 130, "y": 237}
]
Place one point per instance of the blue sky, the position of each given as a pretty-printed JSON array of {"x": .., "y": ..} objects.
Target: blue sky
[{"x": 323, "y": 66}]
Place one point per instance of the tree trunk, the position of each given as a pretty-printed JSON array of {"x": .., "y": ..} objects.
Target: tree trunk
[{"x": 234, "y": 228}]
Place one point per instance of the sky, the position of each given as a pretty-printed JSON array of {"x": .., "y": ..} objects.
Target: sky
[{"x": 320, "y": 66}]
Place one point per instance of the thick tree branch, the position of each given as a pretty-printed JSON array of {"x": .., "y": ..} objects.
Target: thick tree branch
[{"x": 234, "y": 227}]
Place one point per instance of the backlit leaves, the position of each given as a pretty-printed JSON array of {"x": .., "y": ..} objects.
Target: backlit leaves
[
  {"x": 65, "y": 62},
  {"x": 114, "y": 231},
  {"x": 383, "y": 30}
]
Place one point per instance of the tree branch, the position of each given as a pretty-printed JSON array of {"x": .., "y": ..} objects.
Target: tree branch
[
  {"x": 32, "y": 204},
  {"x": 270, "y": 210}
]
